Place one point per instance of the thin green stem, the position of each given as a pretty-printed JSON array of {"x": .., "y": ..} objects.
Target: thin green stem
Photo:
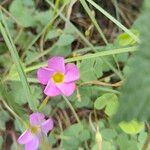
[
  {"x": 7, "y": 103},
  {"x": 43, "y": 104},
  {"x": 9, "y": 42},
  {"x": 13, "y": 113},
  {"x": 71, "y": 107},
  {"x": 101, "y": 54},
  {"x": 92, "y": 17},
  {"x": 114, "y": 20},
  {"x": 88, "y": 56}
]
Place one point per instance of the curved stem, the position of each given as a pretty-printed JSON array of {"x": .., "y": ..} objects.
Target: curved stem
[
  {"x": 71, "y": 107},
  {"x": 14, "y": 114}
]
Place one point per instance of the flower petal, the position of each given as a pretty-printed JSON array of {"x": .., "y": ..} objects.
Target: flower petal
[
  {"x": 72, "y": 73},
  {"x": 44, "y": 75},
  {"x": 33, "y": 144},
  {"x": 47, "y": 126},
  {"x": 37, "y": 119},
  {"x": 51, "y": 89},
  {"x": 67, "y": 88},
  {"x": 57, "y": 64},
  {"x": 25, "y": 137}
]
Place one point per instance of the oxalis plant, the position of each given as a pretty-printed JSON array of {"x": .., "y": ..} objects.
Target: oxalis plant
[{"x": 65, "y": 85}]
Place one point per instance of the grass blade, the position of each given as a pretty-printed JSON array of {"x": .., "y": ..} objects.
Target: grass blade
[
  {"x": 11, "y": 106},
  {"x": 87, "y": 56},
  {"x": 87, "y": 9},
  {"x": 9, "y": 42},
  {"x": 114, "y": 20}
]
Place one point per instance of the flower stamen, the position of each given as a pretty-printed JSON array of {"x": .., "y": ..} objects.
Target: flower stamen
[
  {"x": 58, "y": 77},
  {"x": 34, "y": 129}
]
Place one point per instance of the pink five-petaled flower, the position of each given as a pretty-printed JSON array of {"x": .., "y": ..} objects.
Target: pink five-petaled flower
[
  {"x": 39, "y": 127},
  {"x": 58, "y": 77}
]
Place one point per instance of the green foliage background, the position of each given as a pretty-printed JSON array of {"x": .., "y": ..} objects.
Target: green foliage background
[{"x": 119, "y": 114}]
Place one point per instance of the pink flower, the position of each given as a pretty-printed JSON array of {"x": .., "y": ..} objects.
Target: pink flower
[
  {"x": 58, "y": 77},
  {"x": 39, "y": 127}
]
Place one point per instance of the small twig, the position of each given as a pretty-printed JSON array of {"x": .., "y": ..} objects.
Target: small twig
[
  {"x": 63, "y": 119},
  {"x": 59, "y": 122},
  {"x": 102, "y": 83},
  {"x": 67, "y": 118}
]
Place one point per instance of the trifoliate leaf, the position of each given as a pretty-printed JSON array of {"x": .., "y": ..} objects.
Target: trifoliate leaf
[
  {"x": 124, "y": 39},
  {"x": 109, "y": 101},
  {"x": 132, "y": 127},
  {"x": 65, "y": 39},
  {"x": 91, "y": 69},
  {"x": 22, "y": 14}
]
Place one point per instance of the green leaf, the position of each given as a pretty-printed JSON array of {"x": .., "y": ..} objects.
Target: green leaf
[
  {"x": 141, "y": 139},
  {"x": 52, "y": 139},
  {"x": 123, "y": 141},
  {"x": 52, "y": 34},
  {"x": 29, "y": 3},
  {"x": 60, "y": 51},
  {"x": 66, "y": 1},
  {"x": 5, "y": 61},
  {"x": 134, "y": 100},
  {"x": 108, "y": 146},
  {"x": 85, "y": 98},
  {"x": 17, "y": 93},
  {"x": 124, "y": 39},
  {"x": 31, "y": 54},
  {"x": 19, "y": 126},
  {"x": 4, "y": 117},
  {"x": 23, "y": 15},
  {"x": 42, "y": 18},
  {"x": 108, "y": 134},
  {"x": 132, "y": 127},
  {"x": 76, "y": 134},
  {"x": 109, "y": 101},
  {"x": 65, "y": 39},
  {"x": 24, "y": 39},
  {"x": 15, "y": 108},
  {"x": 91, "y": 69},
  {"x": 3, "y": 48},
  {"x": 98, "y": 67}
]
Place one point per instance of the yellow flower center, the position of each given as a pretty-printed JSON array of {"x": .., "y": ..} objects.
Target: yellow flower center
[
  {"x": 34, "y": 129},
  {"x": 58, "y": 77}
]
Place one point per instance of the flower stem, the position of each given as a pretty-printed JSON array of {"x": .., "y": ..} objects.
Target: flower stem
[
  {"x": 43, "y": 103},
  {"x": 14, "y": 114},
  {"x": 72, "y": 109}
]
